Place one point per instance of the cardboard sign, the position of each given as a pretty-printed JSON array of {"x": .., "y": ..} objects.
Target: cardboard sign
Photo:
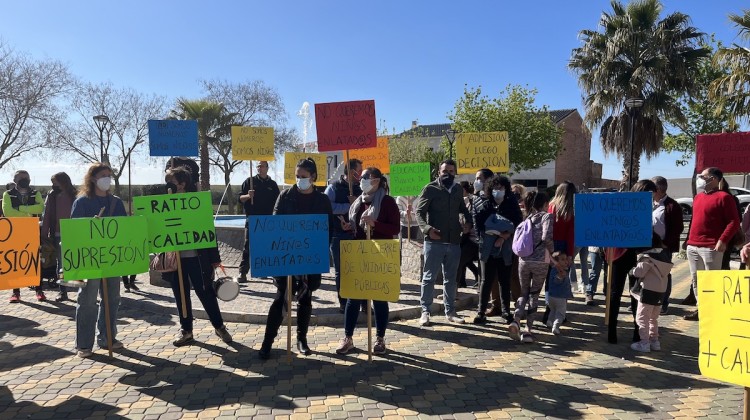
[
  {"x": 408, "y": 179},
  {"x": 729, "y": 152},
  {"x": 723, "y": 320},
  {"x": 290, "y": 166},
  {"x": 285, "y": 245},
  {"x": 475, "y": 151},
  {"x": 613, "y": 219},
  {"x": 95, "y": 248},
  {"x": 374, "y": 156},
  {"x": 252, "y": 143},
  {"x": 346, "y": 125},
  {"x": 371, "y": 269},
  {"x": 173, "y": 137},
  {"x": 20, "y": 265},
  {"x": 178, "y": 222}
]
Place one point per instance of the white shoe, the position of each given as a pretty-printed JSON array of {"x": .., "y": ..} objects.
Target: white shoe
[
  {"x": 424, "y": 320},
  {"x": 641, "y": 346},
  {"x": 84, "y": 354},
  {"x": 455, "y": 319},
  {"x": 514, "y": 331},
  {"x": 556, "y": 329},
  {"x": 655, "y": 345}
]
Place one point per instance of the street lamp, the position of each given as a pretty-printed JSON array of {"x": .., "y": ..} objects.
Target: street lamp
[
  {"x": 101, "y": 122},
  {"x": 451, "y": 135},
  {"x": 633, "y": 105}
]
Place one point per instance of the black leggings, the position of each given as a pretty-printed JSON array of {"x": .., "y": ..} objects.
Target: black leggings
[
  {"x": 304, "y": 306},
  {"x": 495, "y": 270},
  {"x": 620, "y": 269}
]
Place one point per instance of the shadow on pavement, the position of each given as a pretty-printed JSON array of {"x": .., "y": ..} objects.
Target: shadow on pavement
[{"x": 73, "y": 408}]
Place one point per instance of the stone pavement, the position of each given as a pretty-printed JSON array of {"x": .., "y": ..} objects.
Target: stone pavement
[{"x": 443, "y": 371}]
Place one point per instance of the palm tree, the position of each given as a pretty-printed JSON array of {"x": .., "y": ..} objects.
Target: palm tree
[
  {"x": 733, "y": 89},
  {"x": 636, "y": 55},
  {"x": 214, "y": 122}
]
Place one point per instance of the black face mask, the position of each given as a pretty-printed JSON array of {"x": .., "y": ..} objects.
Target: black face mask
[
  {"x": 23, "y": 183},
  {"x": 447, "y": 180},
  {"x": 170, "y": 186},
  {"x": 56, "y": 189}
]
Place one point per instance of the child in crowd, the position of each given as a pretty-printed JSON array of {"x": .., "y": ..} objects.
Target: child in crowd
[
  {"x": 559, "y": 289},
  {"x": 651, "y": 273}
]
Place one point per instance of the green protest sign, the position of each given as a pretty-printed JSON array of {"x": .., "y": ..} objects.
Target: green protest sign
[
  {"x": 178, "y": 222},
  {"x": 94, "y": 248},
  {"x": 408, "y": 179}
]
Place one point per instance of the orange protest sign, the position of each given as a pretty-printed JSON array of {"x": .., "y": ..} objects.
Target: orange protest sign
[
  {"x": 19, "y": 246},
  {"x": 374, "y": 156}
]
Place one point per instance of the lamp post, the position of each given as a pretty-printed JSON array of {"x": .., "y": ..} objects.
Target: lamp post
[
  {"x": 633, "y": 105},
  {"x": 451, "y": 135},
  {"x": 101, "y": 122}
]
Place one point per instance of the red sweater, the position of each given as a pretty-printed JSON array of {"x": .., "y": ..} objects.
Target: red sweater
[
  {"x": 388, "y": 224},
  {"x": 563, "y": 230},
  {"x": 715, "y": 218}
]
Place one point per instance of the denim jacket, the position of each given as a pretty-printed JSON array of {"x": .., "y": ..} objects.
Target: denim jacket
[{"x": 487, "y": 249}]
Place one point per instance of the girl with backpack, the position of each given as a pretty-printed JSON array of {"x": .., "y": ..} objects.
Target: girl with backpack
[{"x": 533, "y": 245}]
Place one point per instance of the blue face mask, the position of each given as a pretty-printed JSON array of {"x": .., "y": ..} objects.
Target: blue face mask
[{"x": 498, "y": 195}]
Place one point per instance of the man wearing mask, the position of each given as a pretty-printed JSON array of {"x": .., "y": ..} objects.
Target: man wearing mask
[
  {"x": 23, "y": 201},
  {"x": 257, "y": 200},
  {"x": 341, "y": 199},
  {"x": 438, "y": 207},
  {"x": 668, "y": 224}
]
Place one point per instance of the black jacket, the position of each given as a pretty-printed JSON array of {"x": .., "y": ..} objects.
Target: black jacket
[
  {"x": 266, "y": 194},
  {"x": 287, "y": 204}
]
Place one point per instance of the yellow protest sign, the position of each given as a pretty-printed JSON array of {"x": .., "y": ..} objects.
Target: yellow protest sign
[
  {"x": 374, "y": 156},
  {"x": 19, "y": 245},
  {"x": 475, "y": 151},
  {"x": 371, "y": 269},
  {"x": 290, "y": 165},
  {"x": 724, "y": 325},
  {"x": 252, "y": 143}
]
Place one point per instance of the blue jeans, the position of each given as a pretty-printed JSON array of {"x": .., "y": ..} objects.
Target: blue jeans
[
  {"x": 597, "y": 262},
  {"x": 90, "y": 314},
  {"x": 583, "y": 256},
  {"x": 437, "y": 254},
  {"x": 351, "y": 314},
  {"x": 336, "y": 253}
]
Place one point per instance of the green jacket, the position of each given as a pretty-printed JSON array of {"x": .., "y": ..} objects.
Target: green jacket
[{"x": 437, "y": 208}]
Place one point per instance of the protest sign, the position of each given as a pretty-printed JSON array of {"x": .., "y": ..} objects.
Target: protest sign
[
  {"x": 723, "y": 320},
  {"x": 285, "y": 245},
  {"x": 290, "y": 165},
  {"x": 613, "y": 219},
  {"x": 729, "y": 152},
  {"x": 95, "y": 248},
  {"x": 374, "y": 156},
  {"x": 252, "y": 143},
  {"x": 19, "y": 246},
  {"x": 475, "y": 151},
  {"x": 371, "y": 269},
  {"x": 178, "y": 222},
  {"x": 408, "y": 179},
  {"x": 173, "y": 137},
  {"x": 345, "y": 125}
]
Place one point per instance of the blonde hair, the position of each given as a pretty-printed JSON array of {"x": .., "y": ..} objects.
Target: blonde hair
[
  {"x": 563, "y": 200},
  {"x": 88, "y": 189}
]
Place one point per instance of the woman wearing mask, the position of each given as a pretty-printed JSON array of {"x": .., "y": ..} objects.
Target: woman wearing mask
[
  {"x": 57, "y": 206},
  {"x": 376, "y": 211},
  {"x": 94, "y": 197},
  {"x": 302, "y": 198},
  {"x": 197, "y": 269}
]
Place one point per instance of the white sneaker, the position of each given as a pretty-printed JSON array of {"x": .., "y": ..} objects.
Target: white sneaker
[
  {"x": 424, "y": 320},
  {"x": 556, "y": 329},
  {"x": 514, "y": 331},
  {"x": 455, "y": 319},
  {"x": 641, "y": 346},
  {"x": 655, "y": 345},
  {"x": 346, "y": 344},
  {"x": 527, "y": 337},
  {"x": 84, "y": 354}
]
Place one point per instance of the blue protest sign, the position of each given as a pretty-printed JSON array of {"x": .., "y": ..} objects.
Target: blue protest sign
[
  {"x": 173, "y": 137},
  {"x": 613, "y": 219},
  {"x": 284, "y": 245}
]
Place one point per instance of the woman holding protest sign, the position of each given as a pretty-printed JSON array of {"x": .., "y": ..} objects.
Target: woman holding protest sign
[
  {"x": 302, "y": 198},
  {"x": 95, "y": 200},
  {"x": 377, "y": 212},
  {"x": 198, "y": 267},
  {"x": 57, "y": 206}
]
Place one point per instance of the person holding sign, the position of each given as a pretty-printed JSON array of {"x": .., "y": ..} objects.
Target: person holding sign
[
  {"x": 198, "y": 268},
  {"x": 377, "y": 212},
  {"x": 95, "y": 200},
  {"x": 302, "y": 198},
  {"x": 342, "y": 194},
  {"x": 258, "y": 196},
  {"x": 438, "y": 207},
  {"x": 668, "y": 224},
  {"x": 23, "y": 201},
  {"x": 57, "y": 206}
]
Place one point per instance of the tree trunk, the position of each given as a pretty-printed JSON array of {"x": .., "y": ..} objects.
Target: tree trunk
[
  {"x": 116, "y": 178},
  {"x": 230, "y": 194},
  {"x": 205, "y": 166}
]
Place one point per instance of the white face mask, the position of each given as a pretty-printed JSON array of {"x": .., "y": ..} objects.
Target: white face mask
[
  {"x": 104, "y": 183},
  {"x": 700, "y": 184},
  {"x": 478, "y": 186},
  {"x": 499, "y": 195},
  {"x": 366, "y": 185},
  {"x": 303, "y": 183}
]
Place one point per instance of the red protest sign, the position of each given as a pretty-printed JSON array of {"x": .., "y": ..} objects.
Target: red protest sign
[
  {"x": 345, "y": 125},
  {"x": 729, "y": 152}
]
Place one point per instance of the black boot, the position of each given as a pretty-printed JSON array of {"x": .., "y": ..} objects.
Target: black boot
[
  {"x": 302, "y": 347},
  {"x": 265, "y": 350},
  {"x": 303, "y": 321}
]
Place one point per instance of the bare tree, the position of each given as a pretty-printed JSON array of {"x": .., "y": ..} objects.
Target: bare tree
[{"x": 30, "y": 91}]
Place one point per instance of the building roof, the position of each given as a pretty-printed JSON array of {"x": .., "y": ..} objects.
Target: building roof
[{"x": 438, "y": 130}]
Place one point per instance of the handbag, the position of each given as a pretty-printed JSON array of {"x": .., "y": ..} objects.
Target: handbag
[{"x": 164, "y": 262}]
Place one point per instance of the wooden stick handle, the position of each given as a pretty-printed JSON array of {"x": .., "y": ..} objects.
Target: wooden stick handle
[
  {"x": 369, "y": 330},
  {"x": 252, "y": 200},
  {"x": 289, "y": 318}
]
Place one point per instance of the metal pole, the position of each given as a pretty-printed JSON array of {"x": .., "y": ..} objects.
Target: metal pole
[
  {"x": 101, "y": 143},
  {"x": 632, "y": 140}
]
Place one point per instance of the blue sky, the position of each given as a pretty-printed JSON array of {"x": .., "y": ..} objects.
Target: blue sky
[{"x": 412, "y": 57}]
